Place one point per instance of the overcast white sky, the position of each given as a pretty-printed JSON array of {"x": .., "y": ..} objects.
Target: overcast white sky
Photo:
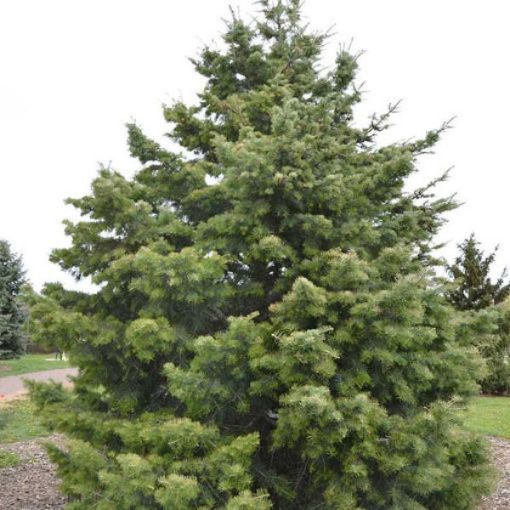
[{"x": 73, "y": 72}]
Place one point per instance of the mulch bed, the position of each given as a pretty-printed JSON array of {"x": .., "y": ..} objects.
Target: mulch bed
[
  {"x": 500, "y": 499},
  {"x": 32, "y": 485}
]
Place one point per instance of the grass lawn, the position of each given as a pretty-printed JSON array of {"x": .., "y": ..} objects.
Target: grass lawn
[
  {"x": 30, "y": 363},
  {"x": 18, "y": 422},
  {"x": 489, "y": 416}
]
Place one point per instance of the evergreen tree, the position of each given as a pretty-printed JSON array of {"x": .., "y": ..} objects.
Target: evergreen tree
[
  {"x": 493, "y": 327},
  {"x": 474, "y": 292},
  {"x": 12, "y": 315},
  {"x": 474, "y": 288},
  {"x": 265, "y": 333}
]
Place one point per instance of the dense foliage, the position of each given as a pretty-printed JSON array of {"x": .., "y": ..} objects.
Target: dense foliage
[
  {"x": 495, "y": 348},
  {"x": 266, "y": 333},
  {"x": 486, "y": 304},
  {"x": 474, "y": 288},
  {"x": 12, "y": 312}
]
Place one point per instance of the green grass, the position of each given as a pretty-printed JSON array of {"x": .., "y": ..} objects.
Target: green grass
[
  {"x": 489, "y": 416},
  {"x": 30, "y": 363},
  {"x": 18, "y": 422},
  {"x": 8, "y": 459}
]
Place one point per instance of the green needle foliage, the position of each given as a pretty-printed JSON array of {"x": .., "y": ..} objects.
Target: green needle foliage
[
  {"x": 12, "y": 313},
  {"x": 485, "y": 302},
  {"x": 494, "y": 346},
  {"x": 474, "y": 288},
  {"x": 266, "y": 333}
]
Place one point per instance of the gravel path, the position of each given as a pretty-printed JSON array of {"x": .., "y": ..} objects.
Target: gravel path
[
  {"x": 500, "y": 500},
  {"x": 32, "y": 485},
  {"x": 13, "y": 386}
]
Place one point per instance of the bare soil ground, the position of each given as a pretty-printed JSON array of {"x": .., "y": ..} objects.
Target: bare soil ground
[{"x": 32, "y": 485}]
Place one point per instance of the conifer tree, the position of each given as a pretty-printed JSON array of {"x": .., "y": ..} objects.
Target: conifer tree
[
  {"x": 12, "y": 315},
  {"x": 265, "y": 333},
  {"x": 475, "y": 293},
  {"x": 493, "y": 333},
  {"x": 471, "y": 273}
]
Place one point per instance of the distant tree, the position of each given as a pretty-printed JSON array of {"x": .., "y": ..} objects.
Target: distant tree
[
  {"x": 496, "y": 351},
  {"x": 42, "y": 306},
  {"x": 486, "y": 300},
  {"x": 474, "y": 288},
  {"x": 12, "y": 311}
]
